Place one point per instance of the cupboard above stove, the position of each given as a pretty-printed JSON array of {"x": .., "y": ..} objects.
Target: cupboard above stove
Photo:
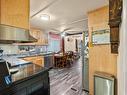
[{"x": 15, "y": 13}]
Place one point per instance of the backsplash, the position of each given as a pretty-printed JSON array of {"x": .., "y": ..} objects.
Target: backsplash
[
  {"x": 9, "y": 48},
  {"x": 33, "y": 48},
  {"x": 15, "y": 49}
]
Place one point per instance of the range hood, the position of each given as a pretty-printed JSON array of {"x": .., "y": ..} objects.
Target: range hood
[{"x": 9, "y": 34}]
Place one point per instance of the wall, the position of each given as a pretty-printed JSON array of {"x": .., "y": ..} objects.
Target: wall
[
  {"x": 71, "y": 44},
  {"x": 122, "y": 59},
  {"x": 100, "y": 57}
]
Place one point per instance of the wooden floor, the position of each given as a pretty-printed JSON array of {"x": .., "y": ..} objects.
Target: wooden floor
[{"x": 66, "y": 81}]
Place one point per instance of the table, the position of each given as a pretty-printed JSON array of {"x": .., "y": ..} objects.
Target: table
[{"x": 59, "y": 60}]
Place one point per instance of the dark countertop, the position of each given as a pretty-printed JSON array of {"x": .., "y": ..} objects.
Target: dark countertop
[
  {"x": 31, "y": 55},
  {"x": 26, "y": 72},
  {"x": 27, "y": 75},
  {"x": 17, "y": 59}
]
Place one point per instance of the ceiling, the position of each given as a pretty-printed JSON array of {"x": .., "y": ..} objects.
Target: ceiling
[{"x": 69, "y": 15}]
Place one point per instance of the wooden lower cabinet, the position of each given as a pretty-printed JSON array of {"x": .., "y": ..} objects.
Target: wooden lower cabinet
[
  {"x": 39, "y": 60},
  {"x": 37, "y": 85}
]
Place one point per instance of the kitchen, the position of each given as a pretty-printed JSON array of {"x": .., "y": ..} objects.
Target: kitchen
[{"x": 43, "y": 40}]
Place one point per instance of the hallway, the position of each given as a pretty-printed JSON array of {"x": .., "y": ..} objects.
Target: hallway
[{"x": 66, "y": 81}]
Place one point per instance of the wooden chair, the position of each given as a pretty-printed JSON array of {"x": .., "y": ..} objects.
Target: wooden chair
[{"x": 70, "y": 58}]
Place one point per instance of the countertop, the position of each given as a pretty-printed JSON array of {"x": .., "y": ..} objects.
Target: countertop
[
  {"x": 16, "y": 59},
  {"x": 32, "y": 55},
  {"x": 28, "y": 55},
  {"x": 26, "y": 72}
]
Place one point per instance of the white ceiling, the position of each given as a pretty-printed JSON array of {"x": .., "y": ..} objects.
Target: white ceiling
[{"x": 64, "y": 14}]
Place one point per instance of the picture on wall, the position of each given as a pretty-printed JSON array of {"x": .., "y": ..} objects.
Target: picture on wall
[{"x": 101, "y": 37}]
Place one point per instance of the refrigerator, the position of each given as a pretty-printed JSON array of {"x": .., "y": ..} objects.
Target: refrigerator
[{"x": 85, "y": 62}]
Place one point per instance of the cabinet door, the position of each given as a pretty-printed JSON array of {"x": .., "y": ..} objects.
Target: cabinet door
[
  {"x": 40, "y": 38},
  {"x": 15, "y": 13},
  {"x": 34, "y": 33},
  {"x": 22, "y": 91},
  {"x": 39, "y": 61},
  {"x": 46, "y": 39},
  {"x": 30, "y": 59}
]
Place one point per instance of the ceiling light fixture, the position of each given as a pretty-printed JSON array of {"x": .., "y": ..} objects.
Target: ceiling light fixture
[
  {"x": 63, "y": 34},
  {"x": 45, "y": 17}
]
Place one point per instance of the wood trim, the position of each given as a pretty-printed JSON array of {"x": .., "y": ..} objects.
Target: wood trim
[
  {"x": 63, "y": 47},
  {"x": 115, "y": 12},
  {"x": 73, "y": 34}
]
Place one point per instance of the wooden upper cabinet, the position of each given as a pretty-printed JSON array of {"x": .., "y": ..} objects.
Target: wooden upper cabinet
[
  {"x": 15, "y": 13},
  {"x": 40, "y": 36},
  {"x": 35, "y": 33}
]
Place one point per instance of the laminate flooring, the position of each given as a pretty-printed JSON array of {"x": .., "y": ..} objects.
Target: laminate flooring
[{"x": 67, "y": 81}]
